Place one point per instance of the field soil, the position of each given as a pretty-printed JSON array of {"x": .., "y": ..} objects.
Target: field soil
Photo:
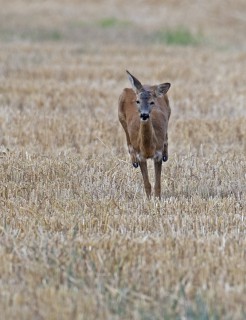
[{"x": 78, "y": 237}]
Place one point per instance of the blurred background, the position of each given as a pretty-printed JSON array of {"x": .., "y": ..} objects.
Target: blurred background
[{"x": 216, "y": 23}]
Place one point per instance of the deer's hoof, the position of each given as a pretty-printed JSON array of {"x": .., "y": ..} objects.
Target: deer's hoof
[
  {"x": 165, "y": 158},
  {"x": 135, "y": 164}
]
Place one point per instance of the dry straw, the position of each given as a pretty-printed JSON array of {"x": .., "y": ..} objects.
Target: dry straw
[{"x": 78, "y": 238}]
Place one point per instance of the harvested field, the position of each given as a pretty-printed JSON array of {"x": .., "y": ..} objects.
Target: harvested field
[{"x": 78, "y": 237}]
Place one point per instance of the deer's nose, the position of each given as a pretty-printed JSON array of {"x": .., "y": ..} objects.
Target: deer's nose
[{"x": 144, "y": 116}]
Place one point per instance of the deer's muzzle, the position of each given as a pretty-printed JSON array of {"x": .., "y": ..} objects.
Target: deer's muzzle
[{"x": 144, "y": 116}]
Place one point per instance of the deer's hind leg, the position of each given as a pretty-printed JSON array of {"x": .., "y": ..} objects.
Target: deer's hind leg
[
  {"x": 147, "y": 185},
  {"x": 158, "y": 166}
]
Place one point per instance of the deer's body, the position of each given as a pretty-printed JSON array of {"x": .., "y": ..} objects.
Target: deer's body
[{"x": 144, "y": 113}]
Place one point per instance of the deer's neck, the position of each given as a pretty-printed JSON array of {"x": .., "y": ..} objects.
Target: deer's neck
[{"x": 147, "y": 139}]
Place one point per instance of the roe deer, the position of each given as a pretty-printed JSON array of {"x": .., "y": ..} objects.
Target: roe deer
[{"x": 144, "y": 112}]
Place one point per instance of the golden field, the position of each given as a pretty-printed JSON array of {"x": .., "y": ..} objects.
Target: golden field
[{"x": 78, "y": 237}]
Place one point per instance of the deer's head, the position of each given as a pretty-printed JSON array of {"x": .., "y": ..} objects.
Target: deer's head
[{"x": 146, "y": 99}]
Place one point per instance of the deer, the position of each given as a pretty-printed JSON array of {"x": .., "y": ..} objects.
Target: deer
[{"x": 144, "y": 112}]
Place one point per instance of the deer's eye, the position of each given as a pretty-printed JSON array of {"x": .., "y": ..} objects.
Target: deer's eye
[
  {"x": 137, "y": 101},
  {"x": 152, "y": 102}
]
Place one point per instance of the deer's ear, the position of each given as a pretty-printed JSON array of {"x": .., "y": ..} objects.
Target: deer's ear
[
  {"x": 136, "y": 84},
  {"x": 162, "y": 88}
]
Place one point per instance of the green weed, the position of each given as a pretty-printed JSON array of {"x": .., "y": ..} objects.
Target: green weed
[
  {"x": 112, "y": 22},
  {"x": 180, "y": 36}
]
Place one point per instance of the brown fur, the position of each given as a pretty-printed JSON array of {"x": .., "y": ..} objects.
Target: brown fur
[{"x": 144, "y": 139}]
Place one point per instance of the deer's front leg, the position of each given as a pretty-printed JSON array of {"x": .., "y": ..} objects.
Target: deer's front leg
[
  {"x": 158, "y": 166},
  {"x": 132, "y": 152},
  {"x": 133, "y": 156},
  {"x": 147, "y": 185}
]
